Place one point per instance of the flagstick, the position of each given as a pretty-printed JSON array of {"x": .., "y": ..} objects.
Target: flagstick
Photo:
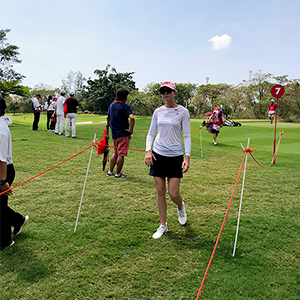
[
  {"x": 238, "y": 222},
  {"x": 201, "y": 141},
  {"x": 87, "y": 172}
]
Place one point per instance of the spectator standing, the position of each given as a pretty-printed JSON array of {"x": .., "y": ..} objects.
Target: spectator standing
[
  {"x": 36, "y": 107},
  {"x": 49, "y": 107},
  {"x": 8, "y": 217},
  {"x": 166, "y": 159},
  {"x": 59, "y": 111},
  {"x": 72, "y": 107},
  {"x": 121, "y": 130}
]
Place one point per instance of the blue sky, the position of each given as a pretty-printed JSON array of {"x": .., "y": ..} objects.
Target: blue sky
[{"x": 181, "y": 41}]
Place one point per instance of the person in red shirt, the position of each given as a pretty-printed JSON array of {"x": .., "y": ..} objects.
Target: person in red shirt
[
  {"x": 218, "y": 120},
  {"x": 272, "y": 108}
]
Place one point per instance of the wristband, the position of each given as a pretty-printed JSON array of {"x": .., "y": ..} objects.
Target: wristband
[{"x": 2, "y": 182}]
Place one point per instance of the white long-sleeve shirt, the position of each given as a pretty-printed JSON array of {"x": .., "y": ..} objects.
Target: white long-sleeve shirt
[
  {"x": 169, "y": 123},
  {"x": 5, "y": 142}
]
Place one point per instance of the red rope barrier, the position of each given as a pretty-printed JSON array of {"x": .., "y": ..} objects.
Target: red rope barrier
[
  {"x": 106, "y": 145},
  {"x": 213, "y": 253},
  {"x": 274, "y": 156},
  {"x": 47, "y": 170}
]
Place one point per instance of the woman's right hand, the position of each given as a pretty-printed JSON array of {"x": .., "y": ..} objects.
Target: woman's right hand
[{"x": 149, "y": 158}]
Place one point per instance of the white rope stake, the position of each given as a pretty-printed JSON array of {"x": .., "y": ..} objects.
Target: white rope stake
[
  {"x": 87, "y": 172},
  {"x": 239, "y": 216}
]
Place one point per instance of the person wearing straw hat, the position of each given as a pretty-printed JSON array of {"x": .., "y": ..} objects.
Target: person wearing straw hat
[
  {"x": 8, "y": 217},
  {"x": 166, "y": 159}
]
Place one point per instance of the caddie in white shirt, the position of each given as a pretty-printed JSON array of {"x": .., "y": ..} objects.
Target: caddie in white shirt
[{"x": 59, "y": 110}]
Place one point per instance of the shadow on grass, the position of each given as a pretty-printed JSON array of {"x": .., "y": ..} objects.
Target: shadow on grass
[
  {"x": 23, "y": 262},
  {"x": 191, "y": 239},
  {"x": 225, "y": 145},
  {"x": 141, "y": 181}
]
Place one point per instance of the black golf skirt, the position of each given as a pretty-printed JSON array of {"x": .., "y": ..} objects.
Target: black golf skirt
[{"x": 165, "y": 166}]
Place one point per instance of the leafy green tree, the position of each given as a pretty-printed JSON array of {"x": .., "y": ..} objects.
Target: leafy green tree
[
  {"x": 256, "y": 95},
  {"x": 44, "y": 90},
  {"x": 213, "y": 93},
  {"x": 100, "y": 93},
  {"x": 185, "y": 93},
  {"x": 289, "y": 104},
  {"x": 138, "y": 102},
  {"x": 200, "y": 106},
  {"x": 73, "y": 81},
  {"x": 9, "y": 79}
]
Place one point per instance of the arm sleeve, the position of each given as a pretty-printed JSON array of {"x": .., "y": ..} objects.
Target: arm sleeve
[
  {"x": 151, "y": 132},
  {"x": 3, "y": 148},
  {"x": 129, "y": 111},
  {"x": 186, "y": 129}
]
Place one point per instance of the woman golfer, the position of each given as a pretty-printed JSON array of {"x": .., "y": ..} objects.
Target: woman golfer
[{"x": 166, "y": 158}]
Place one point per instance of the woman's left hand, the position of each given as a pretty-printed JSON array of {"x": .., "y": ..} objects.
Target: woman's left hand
[{"x": 186, "y": 164}]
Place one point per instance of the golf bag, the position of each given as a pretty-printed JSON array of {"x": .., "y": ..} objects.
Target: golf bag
[
  {"x": 232, "y": 123},
  {"x": 208, "y": 126}
]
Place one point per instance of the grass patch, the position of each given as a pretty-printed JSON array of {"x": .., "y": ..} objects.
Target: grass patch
[{"x": 113, "y": 256}]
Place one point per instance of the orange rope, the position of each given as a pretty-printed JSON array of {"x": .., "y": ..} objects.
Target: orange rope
[
  {"x": 292, "y": 134},
  {"x": 213, "y": 253},
  {"x": 273, "y": 156},
  {"x": 196, "y": 131},
  {"x": 46, "y": 170}
]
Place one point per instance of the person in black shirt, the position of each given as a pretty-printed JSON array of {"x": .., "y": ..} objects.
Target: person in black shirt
[{"x": 72, "y": 106}]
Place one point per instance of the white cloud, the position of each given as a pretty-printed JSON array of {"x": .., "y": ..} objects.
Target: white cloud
[{"x": 220, "y": 42}]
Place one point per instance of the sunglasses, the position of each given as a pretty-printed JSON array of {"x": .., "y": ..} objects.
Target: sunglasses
[{"x": 165, "y": 90}]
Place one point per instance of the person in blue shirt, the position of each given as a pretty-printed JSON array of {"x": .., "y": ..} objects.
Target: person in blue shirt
[{"x": 121, "y": 130}]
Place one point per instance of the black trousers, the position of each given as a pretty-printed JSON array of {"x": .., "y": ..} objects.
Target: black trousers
[
  {"x": 35, "y": 125},
  {"x": 8, "y": 217},
  {"x": 49, "y": 115}
]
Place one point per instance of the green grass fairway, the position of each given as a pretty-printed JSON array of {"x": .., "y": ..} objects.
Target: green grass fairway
[{"x": 112, "y": 254}]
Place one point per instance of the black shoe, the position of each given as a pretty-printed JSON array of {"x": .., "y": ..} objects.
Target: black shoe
[
  {"x": 2, "y": 248},
  {"x": 18, "y": 229}
]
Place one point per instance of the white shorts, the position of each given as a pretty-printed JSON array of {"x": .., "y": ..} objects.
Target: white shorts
[
  {"x": 216, "y": 127},
  {"x": 271, "y": 113}
]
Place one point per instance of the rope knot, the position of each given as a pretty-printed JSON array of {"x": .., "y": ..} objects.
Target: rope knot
[{"x": 249, "y": 150}]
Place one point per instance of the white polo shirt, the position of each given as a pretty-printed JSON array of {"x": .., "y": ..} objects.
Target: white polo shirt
[
  {"x": 36, "y": 104},
  {"x": 5, "y": 143},
  {"x": 60, "y": 105}
]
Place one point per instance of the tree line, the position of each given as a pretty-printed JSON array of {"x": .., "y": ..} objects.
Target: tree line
[{"x": 247, "y": 100}]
